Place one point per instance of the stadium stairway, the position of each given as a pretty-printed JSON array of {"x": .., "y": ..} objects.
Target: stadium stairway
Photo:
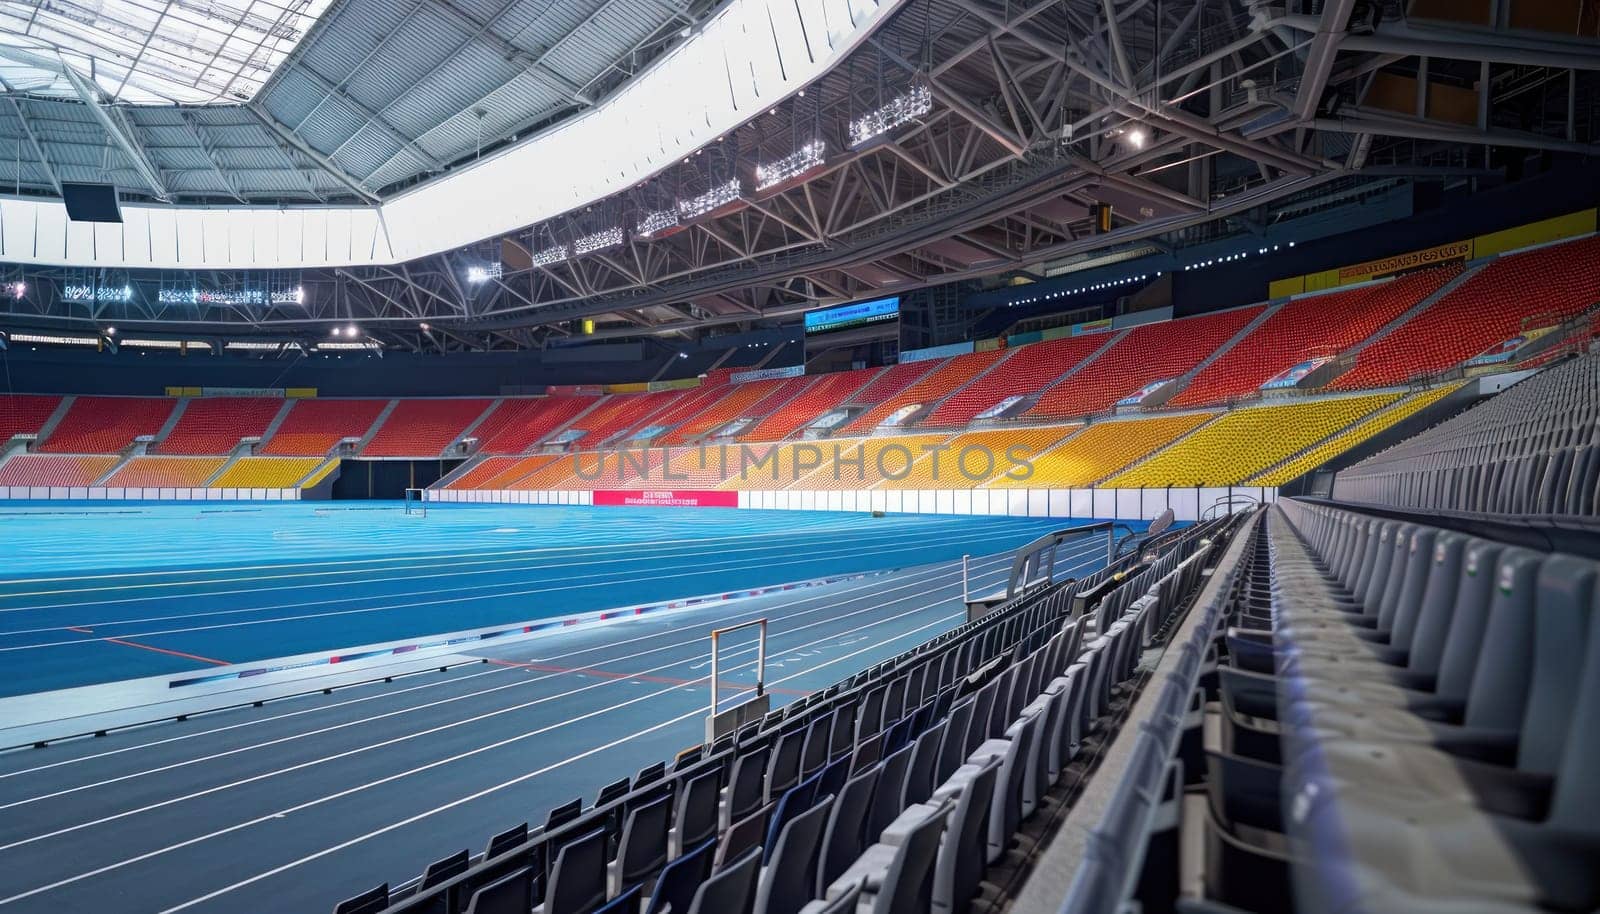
[{"x": 908, "y": 787}]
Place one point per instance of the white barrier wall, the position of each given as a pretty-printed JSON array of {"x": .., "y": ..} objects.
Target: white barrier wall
[
  {"x": 105, "y": 493},
  {"x": 1187, "y": 504}
]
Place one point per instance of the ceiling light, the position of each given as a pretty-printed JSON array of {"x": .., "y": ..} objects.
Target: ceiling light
[
  {"x": 916, "y": 102},
  {"x": 598, "y": 241},
  {"x": 111, "y": 331},
  {"x": 1137, "y": 137},
  {"x": 352, "y": 330},
  {"x": 553, "y": 254},
  {"x": 424, "y": 327},
  {"x": 718, "y": 196},
  {"x": 791, "y": 166},
  {"x": 486, "y": 272}
]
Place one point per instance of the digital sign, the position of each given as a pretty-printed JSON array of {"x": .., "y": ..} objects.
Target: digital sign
[{"x": 859, "y": 314}]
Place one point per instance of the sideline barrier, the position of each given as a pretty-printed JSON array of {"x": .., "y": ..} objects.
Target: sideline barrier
[
  {"x": 108, "y": 493},
  {"x": 1187, "y": 504}
]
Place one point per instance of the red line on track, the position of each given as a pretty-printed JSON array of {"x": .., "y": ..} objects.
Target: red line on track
[
  {"x": 162, "y": 650},
  {"x": 79, "y": 628},
  {"x": 637, "y": 677}
]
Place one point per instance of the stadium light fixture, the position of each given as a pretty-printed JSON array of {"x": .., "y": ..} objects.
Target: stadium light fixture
[
  {"x": 550, "y": 255},
  {"x": 483, "y": 273},
  {"x": 654, "y": 222},
  {"x": 17, "y": 289},
  {"x": 424, "y": 327},
  {"x": 791, "y": 166},
  {"x": 1136, "y": 136},
  {"x": 916, "y": 102},
  {"x": 111, "y": 331},
  {"x": 352, "y": 330},
  {"x": 717, "y": 197},
  {"x": 598, "y": 241}
]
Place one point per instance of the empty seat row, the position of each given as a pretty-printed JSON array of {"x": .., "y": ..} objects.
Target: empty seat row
[
  {"x": 1532, "y": 449},
  {"x": 1396, "y": 717},
  {"x": 891, "y": 791}
]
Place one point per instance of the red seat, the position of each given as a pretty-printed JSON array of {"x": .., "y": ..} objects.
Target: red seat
[
  {"x": 1309, "y": 327},
  {"x": 424, "y": 428},
  {"x": 519, "y": 423},
  {"x": 214, "y": 425},
  {"x": 106, "y": 425},
  {"x": 1144, "y": 355},
  {"x": 1518, "y": 291},
  {"x": 1025, "y": 370},
  {"x": 314, "y": 426}
]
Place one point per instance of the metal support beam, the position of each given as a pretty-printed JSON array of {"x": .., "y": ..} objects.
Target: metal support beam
[
  {"x": 120, "y": 133},
  {"x": 1319, "y": 59}
]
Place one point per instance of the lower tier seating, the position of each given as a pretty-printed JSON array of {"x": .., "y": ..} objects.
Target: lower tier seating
[
  {"x": 55, "y": 470},
  {"x": 896, "y": 790},
  {"x": 1244, "y": 442},
  {"x": 266, "y": 472},
  {"x": 166, "y": 472},
  {"x": 1101, "y": 449},
  {"x": 1401, "y": 718},
  {"x": 1357, "y": 434}
]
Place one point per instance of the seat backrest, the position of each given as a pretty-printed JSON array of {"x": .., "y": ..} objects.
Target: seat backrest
[
  {"x": 1499, "y": 693},
  {"x": 1566, "y": 591},
  {"x": 510, "y": 894},
  {"x": 745, "y": 786},
  {"x": 507, "y": 840},
  {"x": 612, "y": 791},
  {"x": 1464, "y": 643},
  {"x": 642, "y": 850},
  {"x": 1438, "y": 603},
  {"x": 962, "y": 859},
  {"x": 732, "y": 890},
  {"x": 924, "y": 762},
  {"x": 794, "y": 801},
  {"x": 682, "y": 878},
  {"x": 696, "y": 814},
  {"x": 790, "y": 880},
  {"x": 369, "y": 902},
  {"x": 891, "y": 787},
  {"x": 1407, "y": 610},
  {"x": 442, "y": 870},
  {"x": 953, "y": 749},
  {"x": 816, "y": 751},
  {"x": 845, "y": 903},
  {"x": 844, "y": 730},
  {"x": 908, "y": 885},
  {"x": 783, "y": 771},
  {"x": 744, "y": 835},
  {"x": 626, "y": 902},
  {"x": 578, "y": 879},
  {"x": 842, "y": 840}
]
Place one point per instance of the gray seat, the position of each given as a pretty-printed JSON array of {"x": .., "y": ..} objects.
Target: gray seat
[
  {"x": 790, "y": 880},
  {"x": 642, "y": 850},
  {"x": 908, "y": 886},
  {"x": 732, "y": 890},
  {"x": 886, "y": 797},
  {"x": 920, "y": 775},
  {"x": 578, "y": 879},
  {"x": 964, "y": 855},
  {"x": 842, "y": 839},
  {"x": 510, "y": 894}
]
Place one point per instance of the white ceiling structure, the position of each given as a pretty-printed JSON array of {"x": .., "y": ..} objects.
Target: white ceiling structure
[{"x": 150, "y": 52}]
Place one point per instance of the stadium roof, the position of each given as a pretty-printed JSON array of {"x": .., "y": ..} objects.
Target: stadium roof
[
  {"x": 296, "y": 101},
  {"x": 903, "y": 144}
]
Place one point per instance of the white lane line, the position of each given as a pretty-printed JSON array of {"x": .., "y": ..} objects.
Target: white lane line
[
  {"x": 412, "y": 559},
  {"x": 558, "y": 696},
  {"x": 395, "y": 606},
  {"x": 621, "y": 577},
  {"x": 451, "y": 570},
  {"x": 927, "y": 573},
  {"x": 360, "y": 787},
  {"x": 516, "y": 780},
  {"x": 520, "y": 682}
]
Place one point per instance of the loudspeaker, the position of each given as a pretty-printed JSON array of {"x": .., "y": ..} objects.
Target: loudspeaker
[{"x": 91, "y": 202}]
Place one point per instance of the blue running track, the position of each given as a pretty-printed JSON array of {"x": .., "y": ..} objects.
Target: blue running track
[{"x": 97, "y": 594}]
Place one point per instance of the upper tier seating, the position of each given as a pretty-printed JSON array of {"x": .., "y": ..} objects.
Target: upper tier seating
[
  {"x": 519, "y": 423},
  {"x": 106, "y": 425},
  {"x": 1534, "y": 449},
  {"x": 1024, "y": 371},
  {"x": 424, "y": 428},
  {"x": 1359, "y": 433},
  {"x": 620, "y": 412},
  {"x": 891, "y": 380},
  {"x": 823, "y": 394},
  {"x": 739, "y": 401},
  {"x": 691, "y": 403},
  {"x": 1244, "y": 442},
  {"x": 214, "y": 425},
  {"x": 166, "y": 472},
  {"x": 25, "y": 414},
  {"x": 1101, "y": 449},
  {"x": 1145, "y": 354},
  {"x": 55, "y": 470},
  {"x": 971, "y": 459},
  {"x": 314, "y": 426},
  {"x": 1306, "y": 328},
  {"x": 266, "y": 472},
  {"x": 949, "y": 376},
  {"x": 1518, "y": 291}
]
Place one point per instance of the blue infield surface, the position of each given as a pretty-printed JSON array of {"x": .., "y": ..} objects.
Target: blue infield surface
[{"x": 96, "y": 594}]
